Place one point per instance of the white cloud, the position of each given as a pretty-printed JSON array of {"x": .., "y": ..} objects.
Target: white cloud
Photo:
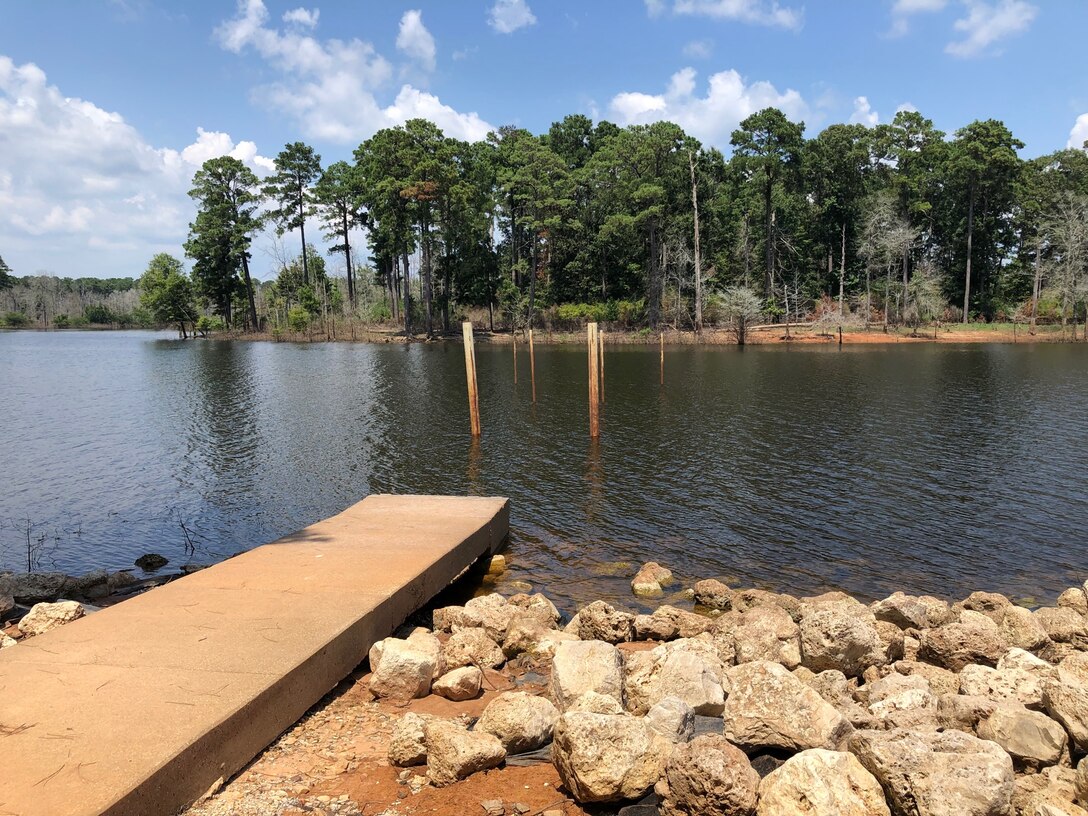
[
  {"x": 74, "y": 177},
  {"x": 902, "y": 10},
  {"x": 699, "y": 49},
  {"x": 307, "y": 18},
  {"x": 906, "y": 107},
  {"x": 331, "y": 87},
  {"x": 1079, "y": 134},
  {"x": 712, "y": 117},
  {"x": 988, "y": 23},
  {"x": 759, "y": 12},
  {"x": 863, "y": 113},
  {"x": 507, "y": 16},
  {"x": 415, "y": 40}
]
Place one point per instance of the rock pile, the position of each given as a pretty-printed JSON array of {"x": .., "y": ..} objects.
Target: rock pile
[{"x": 769, "y": 704}]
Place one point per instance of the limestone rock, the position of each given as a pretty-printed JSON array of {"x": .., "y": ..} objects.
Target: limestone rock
[
  {"x": 745, "y": 599},
  {"x": 713, "y": 594},
  {"x": 1075, "y": 598},
  {"x": 608, "y": 757},
  {"x": 937, "y": 773},
  {"x": 912, "y": 611},
  {"x": 768, "y": 707},
  {"x": 1066, "y": 700},
  {"x": 1022, "y": 629},
  {"x": 405, "y": 670},
  {"x": 840, "y": 636},
  {"x": 408, "y": 743},
  {"x": 472, "y": 646},
  {"x": 1002, "y": 685},
  {"x": 990, "y": 604},
  {"x": 673, "y": 719},
  {"x": 941, "y": 681},
  {"x": 585, "y": 665},
  {"x": 7, "y": 642},
  {"x": 821, "y": 783},
  {"x": 45, "y": 616},
  {"x": 1032, "y": 739},
  {"x": 7, "y": 592},
  {"x": 116, "y": 581},
  {"x": 93, "y": 585},
  {"x": 974, "y": 638},
  {"x": 460, "y": 684},
  {"x": 1063, "y": 625},
  {"x": 767, "y": 633},
  {"x": 40, "y": 587},
  {"x": 489, "y": 612},
  {"x": 595, "y": 703},
  {"x": 651, "y": 580},
  {"x": 1080, "y": 783},
  {"x": 446, "y": 617},
  {"x": 709, "y": 777},
  {"x": 903, "y": 701},
  {"x": 674, "y": 671},
  {"x": 1049, "y": 793},
  {"x": 520, "y": 721},
  {"x": 536, "y": 604},
  {"x": 963, "y": 712},
  {"x": 668, "y": 623},
  {"x": 455, "y": 753},
  {"x": 601, "y": 621}
]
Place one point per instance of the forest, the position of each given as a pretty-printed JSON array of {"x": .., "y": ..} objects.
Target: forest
[{"x": 640, "y": 226}]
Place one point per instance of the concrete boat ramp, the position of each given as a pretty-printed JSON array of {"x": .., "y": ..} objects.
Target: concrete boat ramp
[{"x": 140, "y": 708}]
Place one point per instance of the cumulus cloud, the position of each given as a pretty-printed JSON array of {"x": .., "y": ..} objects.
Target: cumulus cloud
[
  {"x": 989, "y": 23},
  {"x": 1079, "y": 134},
  {"x": 698, "y": 49},
  {"x": 863, "y": 113},
  {"x": 903, "y": 10},
  {"x": 415, "y": 40},
  {"x": 74, "y": 176},
  {"x": 712, "y": 116},
  {"x": 758, "y": 12},
  {"x": 507, "y": 16},
  {"x": 307, "y": 18},
  {"x": 331, "y": 87}
]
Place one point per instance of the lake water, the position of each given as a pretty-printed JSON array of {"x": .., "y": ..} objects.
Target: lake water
[{"x": 938, "y": 469}]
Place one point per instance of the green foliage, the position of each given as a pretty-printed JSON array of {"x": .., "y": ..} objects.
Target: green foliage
[
  {"x": 167, "y": 293},
  {"x": 298, "y": 319},
  {"x": 61, "y": 321},
  {"x": 5, "y": 276},
  {"x": 379, "y": 313},
  {"x": 16, "y": 320},
  {"x": 99, "y": 315}
]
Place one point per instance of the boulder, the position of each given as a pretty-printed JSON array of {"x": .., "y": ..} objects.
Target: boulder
[
  {"x": 1063, "y": 625},
  {"x": 45, "y": 616},
  {"x": 821, "y": 783},
  {"x": 963, "y": 712},
  {"x": 149, "y": 562},
  {"x": 601, "y": 621},
  {"x": 1065, "y": 698},
  {"x": 1032, "y": 739},
  {"x": 673, "y": 719},
  {"x": 893, "y": 639},
  {"x": 937, "y": 773},
  {"x": 973, "y": 638},
  {"x": 912, "y": 611},
  {"x": 990, "y": 604},
  {"x": 405, "y": 670},
  {"x": 708, "y": 777},
  {"x": 526, "y": 634},
  {"x": 767, "y": 633},
  {"x": 668, "y": 623},
  {"x": 7, "y": 592},
  {"x": 93, "y": 585},
  {"x": 472, "y": 646},
  {"x": 713, "y": 594},
  {"x": 1075, "y": 598},
  {"x": 40, "y": 587},
  {"x": 520, "y": 721},
  {"x": 119, "y": 580},
  {"x": 674, "y": 671},
  {"x": 1001, "y": 685},
  {"x": 608, "y": 757},
  {"x": 460, "y": 684},
  {"x": 445, "y": 618},
  {"x": 7, "y": 642},
  {"x": 941, "y": 681},
  {"x": 489, "y": 612},
  {"x": 536, "y": 604},
  {"x": 582, "y": 666},
  {"x": 902, "y": 701},
  {"x": 1049, "y": 793},
  {"x": 596, "y": 703},
  {"x": 455, "y": 753},
  {"x": 1080, "y": 782},
  {"x": 408, "y": 743},
  {"x": 840, "y": 635},
  {"x": 1022, "y": 629},
  {"x": 769, "y": 708},
  {"x": 651, "y": 580}
]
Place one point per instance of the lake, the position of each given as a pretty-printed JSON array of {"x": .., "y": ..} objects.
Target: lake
[{"x": 929, "y": 468}]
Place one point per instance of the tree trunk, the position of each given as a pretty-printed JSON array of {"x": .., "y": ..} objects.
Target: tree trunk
[
  {"x": 655, "y": 283},
  {"x": 302, "y": 229},
  {"x": 970, "y": 236},
  {"x": 768, "y": 212},
  {"x": 407, "y": 294},
  {"x": 427, "y": 281},
  {"x": 532, "y": 283},
  {"x": 698, "y": 258},
  {"x": 906, "y": 291},
  {"x": 347, "y": 260},
  {"x": 842, "y": 270},
  {"x": 249, "y": 291},
  {"x": 1038, "y": 281}
]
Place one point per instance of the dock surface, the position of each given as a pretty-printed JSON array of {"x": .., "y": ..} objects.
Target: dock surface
[{"x": 140, "y": 708}]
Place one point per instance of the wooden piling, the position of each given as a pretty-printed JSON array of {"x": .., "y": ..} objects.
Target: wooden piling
[
  {"x": 515, "y": 336},
  {"x": 593, "y": 348},
  {"x": 662, "y": 357},
  {"x": 840, "y": 335},
  {"x": 532, "y": 364},
  {"x": 470, "y": 375}
]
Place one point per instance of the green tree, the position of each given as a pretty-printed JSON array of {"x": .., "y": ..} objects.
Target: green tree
[
  {"x": 5, "y": 276},
  {"x": 767, "y": 149},
  {"x": 167, "y": 293},
  {"x": 226, "y": 194},
  {"x": 297, "y": 168},
  {"x": 339, "y": 194}
]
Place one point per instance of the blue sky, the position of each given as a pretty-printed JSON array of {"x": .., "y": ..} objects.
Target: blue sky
[{"x": 108, "y": 106}]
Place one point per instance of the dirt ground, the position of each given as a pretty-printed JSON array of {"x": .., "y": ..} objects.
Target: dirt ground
[{"x": 333, "y": 761}]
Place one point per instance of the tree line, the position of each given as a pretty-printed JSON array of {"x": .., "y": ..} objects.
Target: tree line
[{"x": 897, "y": 223}]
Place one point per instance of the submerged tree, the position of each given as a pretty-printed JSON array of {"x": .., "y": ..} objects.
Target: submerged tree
[{"x": 740, "y": 306}]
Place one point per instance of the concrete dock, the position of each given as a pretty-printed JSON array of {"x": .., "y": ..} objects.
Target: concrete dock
[{"x": 140, "y": 708}]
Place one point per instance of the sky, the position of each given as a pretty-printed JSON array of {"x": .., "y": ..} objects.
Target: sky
[{"x": 108, "y": 107}]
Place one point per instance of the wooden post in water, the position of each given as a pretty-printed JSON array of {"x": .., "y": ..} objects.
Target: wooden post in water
[
  {"x": 662, "y": 357},
  {"x": 840, "y": 335},
  {"x": 515, "y": 336},
  {"x": 600, "y": 348},
  {"x": 470, "y": 375},
  {"x": 593, "y": 345},
  {"x": 532, "y": 364}
]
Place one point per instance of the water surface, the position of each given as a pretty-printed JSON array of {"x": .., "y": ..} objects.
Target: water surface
[{"x": 939, "y": 469}]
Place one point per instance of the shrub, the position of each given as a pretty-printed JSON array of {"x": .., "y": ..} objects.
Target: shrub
[
  {"x": 298, "y": 319},
  {"x": 379, "y": 313},
  {"x": 16, "y": 319},
  {"x": 98, "y": 314},
  {"x": 61, "y": 321}
]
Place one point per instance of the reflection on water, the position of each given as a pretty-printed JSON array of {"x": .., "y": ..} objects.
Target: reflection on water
[{"x": 934, "y": 469}]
